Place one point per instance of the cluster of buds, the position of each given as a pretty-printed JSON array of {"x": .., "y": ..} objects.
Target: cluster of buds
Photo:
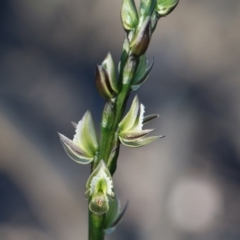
[{"x": 140, "y": 25}]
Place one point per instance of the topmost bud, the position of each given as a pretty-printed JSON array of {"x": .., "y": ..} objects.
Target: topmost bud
[
  {"x": 146, "y": 8},
  {"x": 164, "y": 7},
  {"x": 129, "y": 14}
]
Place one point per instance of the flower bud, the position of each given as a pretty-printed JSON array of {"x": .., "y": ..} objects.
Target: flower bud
[
  {"x": 140, "y": 41},
  {"x": 106, "y": 80},
  {"x": 129, "y": 14},
  {"x": 146, "y": 8},
  {"x": 164, "y": 7}
]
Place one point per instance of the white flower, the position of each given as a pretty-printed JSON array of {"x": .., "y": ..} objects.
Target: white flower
[
  {"x": 84, "y": 146},
  {"x": 99, "y": 189},
  {"x": 130, "y": 130}
]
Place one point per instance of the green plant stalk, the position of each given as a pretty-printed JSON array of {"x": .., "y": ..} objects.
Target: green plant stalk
[
  {"x": 104, "y": 214},
  {"x": 115, "y": 107},
  {"x": 95, "y": 224}
]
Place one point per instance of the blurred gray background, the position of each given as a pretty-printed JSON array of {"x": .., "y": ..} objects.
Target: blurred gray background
[{"x": 183, "y": 187}]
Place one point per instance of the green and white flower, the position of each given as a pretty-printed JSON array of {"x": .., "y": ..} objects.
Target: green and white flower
[
  {"x": 130, "y": 130},
  {"x": 84, "y": 146},
  {"x": 99, "y": 189}
]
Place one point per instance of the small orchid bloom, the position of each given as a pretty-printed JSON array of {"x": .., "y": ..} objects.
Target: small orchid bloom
[
  {"x": 130, "y": 130},
  {"x": 99, "y": 189},
  {"x": 84, "y": 146}
]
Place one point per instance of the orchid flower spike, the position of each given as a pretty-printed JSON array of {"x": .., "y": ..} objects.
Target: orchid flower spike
[
  {"x": 130, "y": 130},
  {"x": 99, "y": 189},
  {"x": 84, "y": 146}
]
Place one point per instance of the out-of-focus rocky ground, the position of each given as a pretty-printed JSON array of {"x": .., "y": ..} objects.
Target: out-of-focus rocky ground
[{"x": 183, "y": 187}]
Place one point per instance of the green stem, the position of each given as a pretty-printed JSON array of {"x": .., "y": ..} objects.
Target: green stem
[
  {"x": 112, "y": 114},
  {"x": 95, "y": 230}
]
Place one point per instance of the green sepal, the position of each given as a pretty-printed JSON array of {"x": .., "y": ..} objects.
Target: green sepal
[
  {"x": 149, "y": 118},
  {"x": 138, "y": 81},
  {"x": 129, "y": 69},
  {"x": 133, "y": 136},
  {"x": 114, "y": 215},
  {"x": 126, "y": 48},
  {"x": 139, "y": 142},
  {"x": 101, "y": 167},
  {"x": 129, "y": 14},
  {"x": 164, "y": 7},
  {"x": 141, "y": 68}
]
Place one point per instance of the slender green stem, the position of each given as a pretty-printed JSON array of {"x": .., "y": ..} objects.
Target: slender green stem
[{"x": 95, "y": 230}]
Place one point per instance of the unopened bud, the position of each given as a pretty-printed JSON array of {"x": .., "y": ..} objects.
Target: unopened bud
[
  {"x": 106, "y": 78},
  {"x": 164, "y": 7},
  {"x": 129, "y": 14},
  {"x": 140, "y": 41},
  {"x": 146, "y": 8}
]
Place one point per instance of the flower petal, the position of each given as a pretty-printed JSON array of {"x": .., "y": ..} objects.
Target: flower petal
[
  {"x": 149, "y": 118},
  {"x": 74, "y": 152},
  {"x": 140, "y": 142},
  {"x": 101, "y": 170},
  {"x": 138, "y": 82},
  {"x": 129, "y": 120},
  {"x": 133, "y": 136},
  {"x": 85, "y": 136},
  {"x": 74, "y": 124},
  {"x": 139, "y": 120}
]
